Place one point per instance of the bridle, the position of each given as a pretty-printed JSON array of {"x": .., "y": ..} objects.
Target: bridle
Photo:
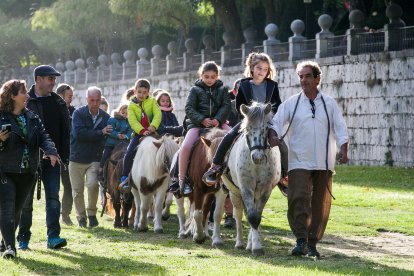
[{"x": 259, "y": 146}]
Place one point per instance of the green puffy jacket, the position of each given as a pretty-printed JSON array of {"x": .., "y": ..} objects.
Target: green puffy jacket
[{"x": 207, "y": 102}]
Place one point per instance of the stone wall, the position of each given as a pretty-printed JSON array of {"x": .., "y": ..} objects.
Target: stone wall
[{"x": 375, "y": 92}]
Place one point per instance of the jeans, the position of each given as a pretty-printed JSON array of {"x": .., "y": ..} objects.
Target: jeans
[
  {"x": 51, "y": 185},
  {"x": 13, "y": 194},
  {"x": 130, "y": 154}
]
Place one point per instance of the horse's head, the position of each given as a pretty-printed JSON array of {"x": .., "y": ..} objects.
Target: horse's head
[{"x": 255, "y": 125}]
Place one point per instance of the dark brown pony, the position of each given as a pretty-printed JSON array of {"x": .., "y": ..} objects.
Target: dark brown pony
[
  {"x": 202, "y": 195},
  {"x": 112, "y": 174}
]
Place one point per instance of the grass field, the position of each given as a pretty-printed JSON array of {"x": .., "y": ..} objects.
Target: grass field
[{"x": 370, "y": 232}]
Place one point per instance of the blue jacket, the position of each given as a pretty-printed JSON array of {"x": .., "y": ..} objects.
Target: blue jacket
[
  {"x": 86, "y": 138},
  {"x": 169, "y": 124},
  {"x": 119, "y": 125}
]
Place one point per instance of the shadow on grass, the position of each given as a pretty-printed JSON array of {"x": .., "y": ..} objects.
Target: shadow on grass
[{"x": 87, "y": 264}]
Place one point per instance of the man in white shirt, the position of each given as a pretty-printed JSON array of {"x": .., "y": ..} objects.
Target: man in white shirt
[{"x": 316, "y": 128}]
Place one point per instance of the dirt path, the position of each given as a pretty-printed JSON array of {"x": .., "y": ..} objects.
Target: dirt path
[{"x": 393, "y": 249}]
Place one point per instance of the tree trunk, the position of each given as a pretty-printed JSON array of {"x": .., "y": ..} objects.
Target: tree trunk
[
  {"x": 270, "y": 11},
  {"x": 226, "y": 11}
]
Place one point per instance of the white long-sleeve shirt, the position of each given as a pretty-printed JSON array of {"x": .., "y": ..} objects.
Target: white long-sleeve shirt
[{"x": 307, "y": 136}]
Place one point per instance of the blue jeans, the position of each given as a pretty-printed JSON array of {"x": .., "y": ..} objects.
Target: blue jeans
[
  {"x": 130, "y": 154},
  {"x": 51, "y": 185}
]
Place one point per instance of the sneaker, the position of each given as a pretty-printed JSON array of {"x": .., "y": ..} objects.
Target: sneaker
[
  {"x": 23, "y": 245},
  {"x": 2, "y": 246},
  {"x": 66, "y": 220},
  {"x": 123, "y": 186},
  {"x": 212, "y": 176},
  {"x": 93, "y": 222},
  {"x": 185, "y": 188},
  {"x": 229, "y": 222},
  {"x": 82, "y": 222},
  {"x": 312, "y": 252},
  {"x": 9, "y": 253},
  {"x": 300, "y": 248},
  {"x": 55, "y": 243}
]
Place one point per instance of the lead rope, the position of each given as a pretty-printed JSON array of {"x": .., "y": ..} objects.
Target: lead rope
[
  {"x": 327, "y": 148},
  {"x": 293, "y": 116}
]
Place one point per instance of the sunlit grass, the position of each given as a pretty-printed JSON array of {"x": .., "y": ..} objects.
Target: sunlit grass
[{"x": 368, "y": 202}]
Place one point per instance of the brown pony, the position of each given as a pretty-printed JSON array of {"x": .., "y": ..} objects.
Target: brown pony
[
  {"x": 112, "y": 174},
  {"x": 202, "y": 195}
]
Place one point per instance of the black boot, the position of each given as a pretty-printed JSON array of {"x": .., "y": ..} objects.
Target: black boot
[{"x": 301, "y": 247}]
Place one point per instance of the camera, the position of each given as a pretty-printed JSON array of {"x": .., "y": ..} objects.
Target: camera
[{"x": 6, "y": 127}]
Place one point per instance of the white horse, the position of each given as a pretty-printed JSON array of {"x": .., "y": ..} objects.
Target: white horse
[
  {"x": 150, "y": 177},
  {"x": 254, "y": 170}
]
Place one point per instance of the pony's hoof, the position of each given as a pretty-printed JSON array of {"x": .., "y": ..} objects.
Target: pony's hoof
[
  {"x": 183, "y": 235},
  {"x": 158, "y": 231},
  {"x": 117, "y": 223},
  {"x": 165, "y": 216},
  {"x": 136, "y": 228},
  {"x": 217, "y": 243},
  {"x": 239, "y": 246},
  {"x": 199, "y": 240},
  {"x": 258, "y": 252},
  {"x": 143, "y": 229}
]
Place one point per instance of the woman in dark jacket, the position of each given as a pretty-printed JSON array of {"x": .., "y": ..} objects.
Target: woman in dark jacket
[
  {"x": 22, "y": 134},
  {"x": 257, "y": 86}
]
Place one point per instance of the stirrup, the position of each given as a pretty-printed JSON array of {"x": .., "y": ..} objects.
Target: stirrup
[{"x": 212, "y": 176}]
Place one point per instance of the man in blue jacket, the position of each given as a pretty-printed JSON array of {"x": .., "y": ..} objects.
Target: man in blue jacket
[{"x": 87, "y": 138}]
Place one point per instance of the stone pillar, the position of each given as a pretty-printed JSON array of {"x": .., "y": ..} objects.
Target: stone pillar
[
  {"x": 70, "y": 73},
  {"x": 270, "y": 44},
  {"x": 356, "y": 21},
  {"x": 190, "y": 45},
  {"x": 207, "y": 52},
  {"x": 103, "y": 69},
  {"x": 172, "y": 57},
  {"x": 60, "y": 66},
  {"x": 226, "y": 49},
  {"x": 80, "y": 73},
  {"x": 142, "y": 64},
  {"x": 393, "y": 34},
  {"x": 128, "y": 67},
  {"x": 156, "y": 61},
  {"x": 322, "y": 38},
  {"x": 91, "y": 73},
  {"x": 115, "y": 69},
  {"x": 295, "y": 41},
  {"x": 248, "y": 46}
]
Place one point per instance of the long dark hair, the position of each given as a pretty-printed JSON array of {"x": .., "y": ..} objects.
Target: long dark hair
[{"x": 10, "y": 88}]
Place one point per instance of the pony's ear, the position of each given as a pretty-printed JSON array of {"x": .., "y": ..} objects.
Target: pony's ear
[
  {"x": 244, "y": 109},
  {"x": 268, "y": 108},
  {"x": 206, "y": 141},
  {"x": 157, "y": 143}
]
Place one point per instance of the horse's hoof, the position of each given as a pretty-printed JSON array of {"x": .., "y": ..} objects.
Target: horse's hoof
[
  {"x": 165, "y": 217},
  {"x": 258, "y": 252},
  {"x": 117, "y": 224},
  {"x": 217, "y": 243},
  {"x": 199, "y": 240},
  {"x": 239, "y": 246},
  {"x": 159, "y": 231},
  {"x": 142, "y": 229},
  {"x": 136, "y": 228},
  {"x": 182, "y": 235}
]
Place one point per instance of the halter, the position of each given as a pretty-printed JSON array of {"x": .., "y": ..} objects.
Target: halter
[{"x": 257, "y": 147}]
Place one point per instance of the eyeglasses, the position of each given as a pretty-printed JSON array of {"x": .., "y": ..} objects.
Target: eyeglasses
[{"x": 313, "y": 108}]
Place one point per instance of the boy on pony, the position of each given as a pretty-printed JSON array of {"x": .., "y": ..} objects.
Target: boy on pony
[
  {"x": 257, "y": 86},
  {"x": 144, "y": 117},
  {"x": 208, "y": 105}
]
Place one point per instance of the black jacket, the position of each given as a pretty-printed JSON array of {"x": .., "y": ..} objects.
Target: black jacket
[
  {"x": 36, "y": 106},
  {"x": 11, "y": 151},
  {"x": 245, "y": 96},
  {"x": 207, "y": 102}
]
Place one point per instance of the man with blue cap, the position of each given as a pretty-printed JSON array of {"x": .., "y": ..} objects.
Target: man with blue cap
[{"x": 54, "y": 114}]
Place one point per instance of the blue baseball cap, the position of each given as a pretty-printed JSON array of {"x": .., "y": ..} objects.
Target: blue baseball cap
[{"x": 45, "y": 70}]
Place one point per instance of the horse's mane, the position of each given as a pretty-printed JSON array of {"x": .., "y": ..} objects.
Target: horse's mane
[
  {"x": 211, "y": 133},
  {"x": 256, "y": 116},
  {"x": 166, "y": 151}
]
